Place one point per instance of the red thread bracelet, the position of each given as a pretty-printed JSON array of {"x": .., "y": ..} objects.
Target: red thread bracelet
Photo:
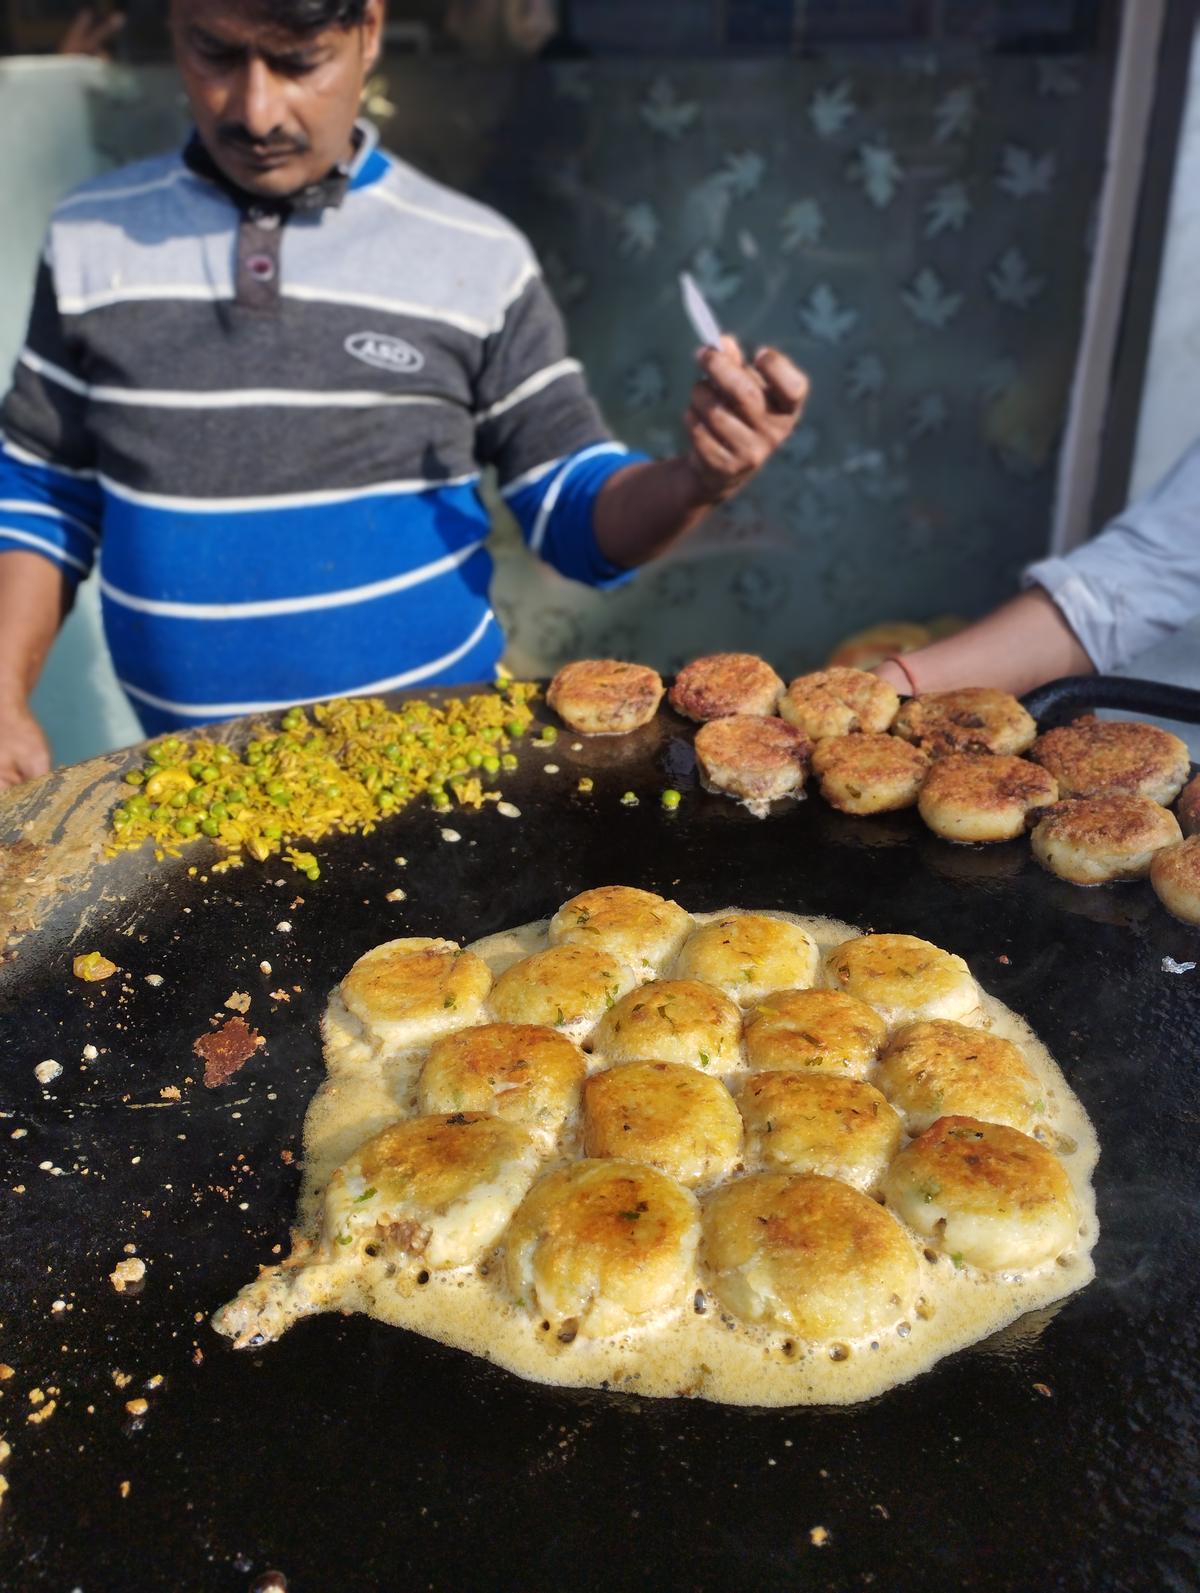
[{"x": 895, "y": 658}]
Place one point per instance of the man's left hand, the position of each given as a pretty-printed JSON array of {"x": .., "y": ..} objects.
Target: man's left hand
[{"x": 739, "y": 414}]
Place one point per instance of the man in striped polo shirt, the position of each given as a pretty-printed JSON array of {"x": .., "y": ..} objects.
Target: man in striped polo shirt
[{"x": 264, "y": 374}]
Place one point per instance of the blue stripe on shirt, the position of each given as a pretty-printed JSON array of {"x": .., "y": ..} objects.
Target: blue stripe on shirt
[
  {"x": 49, "y": 512},
  {"x": 568, "y": 535}
]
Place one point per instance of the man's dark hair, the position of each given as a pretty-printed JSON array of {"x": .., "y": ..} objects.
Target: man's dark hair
[{"x": 311, "y": 16}]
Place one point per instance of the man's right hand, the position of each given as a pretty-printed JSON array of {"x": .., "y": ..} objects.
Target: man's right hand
[{"x": 24, "y": 750}]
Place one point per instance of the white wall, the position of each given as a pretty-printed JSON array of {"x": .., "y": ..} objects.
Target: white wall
[
  {"x": 46, "y": 124},
  {"x": 1170, "y": 414}
]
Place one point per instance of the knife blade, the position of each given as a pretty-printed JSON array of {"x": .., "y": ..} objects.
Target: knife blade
[{"x": 704, "y": 323}]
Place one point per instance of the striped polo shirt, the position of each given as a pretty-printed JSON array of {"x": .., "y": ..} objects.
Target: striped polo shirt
[{"x": 269, "y": 424}]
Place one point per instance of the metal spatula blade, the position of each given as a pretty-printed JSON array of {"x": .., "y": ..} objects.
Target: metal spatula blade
[{"x": 704, "y": 323}]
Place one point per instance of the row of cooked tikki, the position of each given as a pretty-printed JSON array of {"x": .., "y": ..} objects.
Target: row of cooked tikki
[
  {"x": 599, "y": 980},
  {"x": 1094, "y": 792},
  {"x": 805, "y": 1105},
  {"x": 602, "y": 1245}
]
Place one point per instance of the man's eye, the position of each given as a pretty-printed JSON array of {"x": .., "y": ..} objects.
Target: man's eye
[{"x": 295, "y": 66}]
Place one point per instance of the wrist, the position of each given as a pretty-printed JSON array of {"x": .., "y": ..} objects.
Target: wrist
[{"x": 899, "y": 672}]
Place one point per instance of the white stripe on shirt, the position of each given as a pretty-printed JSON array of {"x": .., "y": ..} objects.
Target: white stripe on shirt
[
  {"x": 47, "y": 512},
  {"x": 106, "y": 195},
  {"x": 285, "y": 500},
  {"x": 536, "y": 383},
  {"x": 232, "y": 710},
  {"x": 59, "y": 554},
  {"x": 292, "y": 605},
  {"x": 24, "y": 457},
  {"x": 237, "y": 398},
  {"x": 369, "y": 301},
  {"x": 541, "y": 524},
  {"x": 378, "y": 191}
]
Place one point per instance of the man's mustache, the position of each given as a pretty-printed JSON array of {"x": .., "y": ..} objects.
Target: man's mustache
[{"x": 239, "y": 137}]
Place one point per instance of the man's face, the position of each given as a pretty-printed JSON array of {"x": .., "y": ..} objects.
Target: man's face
[{"x": 275, "y": 109}]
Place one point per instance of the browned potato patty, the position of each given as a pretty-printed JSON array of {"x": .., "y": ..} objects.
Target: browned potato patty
[
  {"x": 1095, "y": 839},
  {"x": 935, "y": 1067},
  {"x": 605, "y": 697},
  {"x": 673, "y": 1020},
  {"x": 973, "y": 719},
  {"x": 808, "y": 1254},
  {"x": 984, "y": 797},
  {"x": 822, "y": 1031},
  {"x": 599, "y": 1245},
  {"x": 869, "y": 773},
  {"x": 724, "y": 684},
  {"x": 1175, "y": 876},
  {"x": 836, "y": 702},
  {"x": 522, "y": 1072},
  {"x": 813, "y": 1123},
  {"x": 984, "y": 1193},
  {"x": 1101, "y": 757},
  {"x": 753, "y": 757},
  {"x": 665, "y": 1115},
  {"x": 865, "y": 649},
  {"x": 1188, "y": 807}
]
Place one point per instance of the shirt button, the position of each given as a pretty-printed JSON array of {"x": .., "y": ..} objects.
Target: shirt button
[{"x": 261, "y": 267}]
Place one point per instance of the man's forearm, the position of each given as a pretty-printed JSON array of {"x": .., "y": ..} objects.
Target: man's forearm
[
  {"x": 1022, "y": 644},
  {"x": 34, "y": 597},
  {"x": 643, "y": 510}
]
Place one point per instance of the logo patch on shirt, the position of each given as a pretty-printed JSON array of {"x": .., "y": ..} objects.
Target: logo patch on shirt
[{"x": 385, "y": 353}]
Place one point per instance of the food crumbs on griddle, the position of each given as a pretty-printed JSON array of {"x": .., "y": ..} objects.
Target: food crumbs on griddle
[
  {"x": 127, "y": 1273},
  {"x": 122, "y": 1379},
  {"x": 1044, "y": 1390},
  {"x": 226, "y": 1050},
  {"x": 818, "y": 1537},
  {"x": 138, "y": 1406},
  {"x": 124, "y": 1489},
  {"x": 43, "y": 1413},
  {"x": 238, "y": 1001},
  {"x": 171, "y": 1092},
  {"x": 1004, "y": 958},
  {"x": 92, "y": 967},
  {"x": 284, "y": 927},
  {"x": 396, "y": 896},
  {"x": 279, "y": 995}
]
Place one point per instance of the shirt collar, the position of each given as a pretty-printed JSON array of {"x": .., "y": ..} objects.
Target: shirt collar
[{"x": 327, "y": 194}]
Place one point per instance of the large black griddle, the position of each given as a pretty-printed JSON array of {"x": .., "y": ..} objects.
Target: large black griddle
[{"x": 1061, "y": 1454}]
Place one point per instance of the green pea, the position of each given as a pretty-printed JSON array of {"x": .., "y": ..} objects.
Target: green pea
[
  {"x": 253, "y": 756},
  {"x": 386, "y": 800},
  {"x": 276, "y": 788},
  {"x": 670, "y": 799},
  {"x": 210, "y": 826},
  {"x": 179, "y": 799},
  {"x": 514, "y": 728},
  {"x": 210, "y": 773},
  {"x": 186, "y": 825},
  {"x": 139, "y": 806},
  {"x": 135, "y": 777},
  {"x": 333, "y": 790},
  {"x": 121, "y": 817},
  {"x": 508, "y": 761},
  {"x": 197, "y": 796},
  {"x": 272, "y": 831},
  {"x": 313, "y": 871},
  {"x": 491, "y": 764}
]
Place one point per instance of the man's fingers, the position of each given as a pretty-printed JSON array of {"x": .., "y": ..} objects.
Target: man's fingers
[
  {"x": 712, "y": 451},
  {"x": 737, "y": 383},
  {"x": 728, "y": 427},
  {"x": 787, "y": 385}
]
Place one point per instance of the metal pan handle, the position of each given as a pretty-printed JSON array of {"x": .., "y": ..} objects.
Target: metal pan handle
[{"x": 1060, "y": 700}]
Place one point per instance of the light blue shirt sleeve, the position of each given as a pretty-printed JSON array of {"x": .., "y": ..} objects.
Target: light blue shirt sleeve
[{"x": 1139, "y": 580}]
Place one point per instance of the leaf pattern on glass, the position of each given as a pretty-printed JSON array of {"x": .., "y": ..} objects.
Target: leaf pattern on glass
[
  {"x": 928, "y": 301},
  {"x": 824, "y": 317},
  {"x": 1012, "y": 282},
  {"x": 1023, "y": 174}
]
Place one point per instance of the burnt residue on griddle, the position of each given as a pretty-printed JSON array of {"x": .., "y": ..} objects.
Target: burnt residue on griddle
[{"x": 226, "y": 1049}]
